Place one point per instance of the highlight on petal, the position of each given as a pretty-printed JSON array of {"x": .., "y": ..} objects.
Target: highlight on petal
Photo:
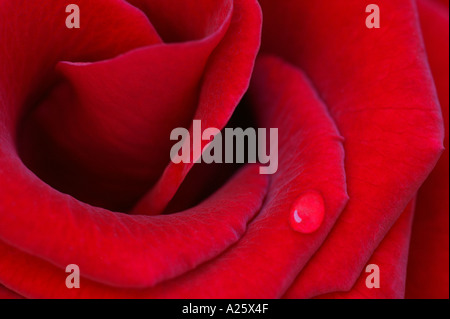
[{"x": 308, "y": 212}]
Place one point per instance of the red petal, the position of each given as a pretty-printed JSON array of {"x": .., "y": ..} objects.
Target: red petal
[
  {"x": 182, "y": 21},
  {"x": 5, "y": 293},
  {"x": 28, "y": 25},
  {"x": 225, "y": 81},
  {"x": 391, "y": 256},
  {"x": 103, "y": 133},
  {"x": 428, "y": 272},
  {"x": 444, "y": 2},
  {"x": 120, "y": 249},
  {"x": 40, "y": 40},
  {"x": 243, "y": 270},
  {"x": 379, "y": 90},
  {"x": 268, "y": 257}
]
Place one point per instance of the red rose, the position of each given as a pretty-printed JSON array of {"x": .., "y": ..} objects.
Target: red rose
[{"x": 86, "y": 177}]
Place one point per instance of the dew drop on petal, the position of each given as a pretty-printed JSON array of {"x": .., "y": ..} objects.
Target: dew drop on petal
[{"x": 307, "y": 212}]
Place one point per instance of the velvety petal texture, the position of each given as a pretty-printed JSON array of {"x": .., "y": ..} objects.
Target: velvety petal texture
[
  {"x": 8, "y": 294},
  {"x": 392, "y": 141},
  {"x": 225, "y": 81},
  {"x": 97, "y": 92},
  {"x": 428, "y": 271},
  {"x": 391, "y": 258},
  {"x": 86, "y": 176}
]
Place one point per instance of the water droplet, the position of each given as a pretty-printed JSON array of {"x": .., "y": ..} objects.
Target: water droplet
[{"x": 307, "y": 212}]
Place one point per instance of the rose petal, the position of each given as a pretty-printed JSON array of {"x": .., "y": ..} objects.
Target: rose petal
[
  {"x": 35, "y": 38},
  {"x": 120, "y": 249},
  {"x": 115, "y": 248},
  {"x": 225, "y": 81},
  {"x": 428, "y": 271},
  {"x": 444, "y": 2},
  {"x": 5, "y": 293},
  {"x": 246, "y": 269},
  {"x": 265, "y": 261},
  {"x": 391, "y": 256},
  {"x": 30, "y": 68},
  {"x": 378, "y": 88},
  {"x": 103, "y": 133},
  {"x": 182, "y": 21}
]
